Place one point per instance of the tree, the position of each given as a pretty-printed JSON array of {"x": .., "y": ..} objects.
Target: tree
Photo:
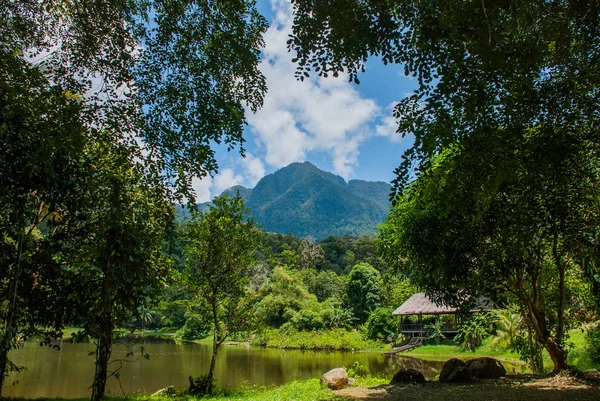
[
  {"x": 505, "y": 70},
  {"x": 363, "y": 290},
  {"x": 219, "y": 253},
  {"x": 311, "y": 254},
  {"x": 41, "y": 138},
  {"x": 170, "y": 77},
  {"x": 119, "y": 232},
  {"x": 158, "y": 80},
  {"x": 512, "y": 230}
]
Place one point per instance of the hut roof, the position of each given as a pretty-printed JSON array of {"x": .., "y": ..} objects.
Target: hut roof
[{"x": 420, "y": 304}]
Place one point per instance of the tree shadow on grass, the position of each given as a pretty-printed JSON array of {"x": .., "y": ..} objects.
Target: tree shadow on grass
[{"x": 513, "y": 388}]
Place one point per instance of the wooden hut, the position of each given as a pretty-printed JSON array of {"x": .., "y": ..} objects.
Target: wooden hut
[
  {"x": 419, "y": 305},
  {"x": 415, "y": 329}
]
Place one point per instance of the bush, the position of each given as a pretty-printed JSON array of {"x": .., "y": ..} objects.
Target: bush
[
  {"x": 194, "y": 328},
  {"x": 593, "y": 342},
  {"x": 173, "y": 313},
  {"x": 381, "y": 324},
  {"x": 473, "y": 330},
  {"x": 337, "y": 339}
]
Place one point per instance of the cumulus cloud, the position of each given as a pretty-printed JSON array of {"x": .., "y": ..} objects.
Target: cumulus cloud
[
  {"x": 202, "y": 188},
  {"x": 388, "y": 125},
  {"x": 207, "y": 188},
  {"x": 226, "y": 179},
  {"x": 319, "y": 114},
  {"x": 254, "y": 169}
]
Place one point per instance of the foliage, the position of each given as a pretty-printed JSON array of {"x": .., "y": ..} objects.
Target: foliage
[
  {"x": 174, "y": 78},
  {"x": 435, "y": 330},
  {"x": 363, "y": 290},
  {"x": 41, "y": 138},
  {"x": 473, "y": 330},
  {"x": 173, "y": 313},
  {"x": 325, "y": 284},
  {"x": 118, "y": 233},
  {"x": 381, "y": 324},
  {"x": 507, "y": 326},
  {"x": 504, "y": 120},
  {"x": 593, "y": 343},
  {"x": 196, "y": 327},
  {"x": 334, "y": 339},
  {"x": 357, "y": 370},
  {"x": 305, "y": 201}
]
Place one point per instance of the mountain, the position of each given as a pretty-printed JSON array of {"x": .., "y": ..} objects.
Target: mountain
[{"x": 303, "y": 200}]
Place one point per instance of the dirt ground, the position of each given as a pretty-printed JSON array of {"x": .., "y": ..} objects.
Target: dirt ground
[{"x": 521, "y": 387}]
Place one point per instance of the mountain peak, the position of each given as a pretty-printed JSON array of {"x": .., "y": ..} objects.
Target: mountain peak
[{"x": 303, "y": 200}]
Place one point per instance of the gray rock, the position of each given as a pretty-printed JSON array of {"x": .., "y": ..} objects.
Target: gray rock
[
  {"x": 410, "y": 376},
  {"x": 455, "y": 371},
  {"x": 485, "y": 368},
  {"x": 335, "y": 379}
]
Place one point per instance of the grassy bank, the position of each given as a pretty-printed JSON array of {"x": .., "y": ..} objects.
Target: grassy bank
[
  {"x": 578, "y": 356},
  {"x": 336, "y": 339},
  {"x": 526, "y": 387}
]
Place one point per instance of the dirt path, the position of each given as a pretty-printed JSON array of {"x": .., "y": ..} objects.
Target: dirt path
[{"x": 524, "y": 387}]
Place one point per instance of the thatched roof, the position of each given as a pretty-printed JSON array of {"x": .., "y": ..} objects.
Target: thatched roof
[{"x": 420, "y": 304}]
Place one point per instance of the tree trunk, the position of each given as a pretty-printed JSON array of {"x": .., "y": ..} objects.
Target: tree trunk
[
  {"x": 104, "y": 346},
  {"x": 5, "y": 347},
  {"x": 558, "y": 355},
  {"x": 213, "y": 361},
  {"x": 103, "y": 352}
]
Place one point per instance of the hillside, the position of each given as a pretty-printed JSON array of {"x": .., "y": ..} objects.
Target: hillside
[{"x": 302, "y": 200}]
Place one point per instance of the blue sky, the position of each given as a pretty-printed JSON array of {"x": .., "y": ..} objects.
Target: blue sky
[{"x": 338, "y": 126}]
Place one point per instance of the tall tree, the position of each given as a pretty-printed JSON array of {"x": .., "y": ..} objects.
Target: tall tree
[
  {"x": 513, "y": 229},
  {"x": 219, "y": 253},
  {"x": 162, "y": 81},
  {"x": 363, "y": 290},
  {"x": 120, "y": 231},
  {"x": 41, "y": 139},
  {"x": 500, "y": 69},
  {"x": 171, "y": 77}
]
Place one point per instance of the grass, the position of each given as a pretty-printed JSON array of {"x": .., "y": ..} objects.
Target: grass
[
  {"x": 307, "y": 390},
  {"x": 525, "y": 387},
  {"x": 578, "y": 356},
  {"x": 335, "y": 339},
  {"x": 450, "y": 350}
]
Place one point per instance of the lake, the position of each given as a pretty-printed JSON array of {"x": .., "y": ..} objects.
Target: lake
[{"x": 68, "y": 372}]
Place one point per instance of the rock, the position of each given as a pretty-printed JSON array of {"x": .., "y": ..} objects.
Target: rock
[
  {"x": 485, "y": 368},
  {"x": 163, "y": 392},
  {"x": 409, "y": 375},
  {"x": 455, "y": 371},
  {"x": 335, "y": 379}
]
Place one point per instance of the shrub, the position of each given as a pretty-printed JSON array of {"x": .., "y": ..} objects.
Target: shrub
[
  {"x": 194, "y": 328},
  {"x": 593, "y": 342},
  {"x": 381, "y": 324}
]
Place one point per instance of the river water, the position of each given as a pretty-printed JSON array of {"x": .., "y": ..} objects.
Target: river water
[{"x": 68, "y": 372}]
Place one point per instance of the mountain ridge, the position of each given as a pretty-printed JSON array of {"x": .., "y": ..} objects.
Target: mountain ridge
[{"x": 303, "y": 200}]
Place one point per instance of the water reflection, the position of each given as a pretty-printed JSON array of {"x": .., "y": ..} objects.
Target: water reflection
[{"x": 68, "y": 372}]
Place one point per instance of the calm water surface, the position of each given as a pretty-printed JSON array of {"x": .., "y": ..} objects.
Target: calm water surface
[{"x": 68, "y": 372}]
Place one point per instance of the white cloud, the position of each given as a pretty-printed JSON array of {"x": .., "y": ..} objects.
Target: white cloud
[
  {"x": 202, "y": 188},
  {"x": 388, "y": 125},
  {"x": 226, "y": 179},
  {"x": 319, "y": 114},
  {"x": 254, "y": 169}
]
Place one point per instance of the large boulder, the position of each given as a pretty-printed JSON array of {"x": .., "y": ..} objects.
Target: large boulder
[
  {"x": 455, "y": 371},
  {"x": 335, "y": 379},
  {"x": 410, "y": 376},
  {"x": 485, "y": 368}
]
